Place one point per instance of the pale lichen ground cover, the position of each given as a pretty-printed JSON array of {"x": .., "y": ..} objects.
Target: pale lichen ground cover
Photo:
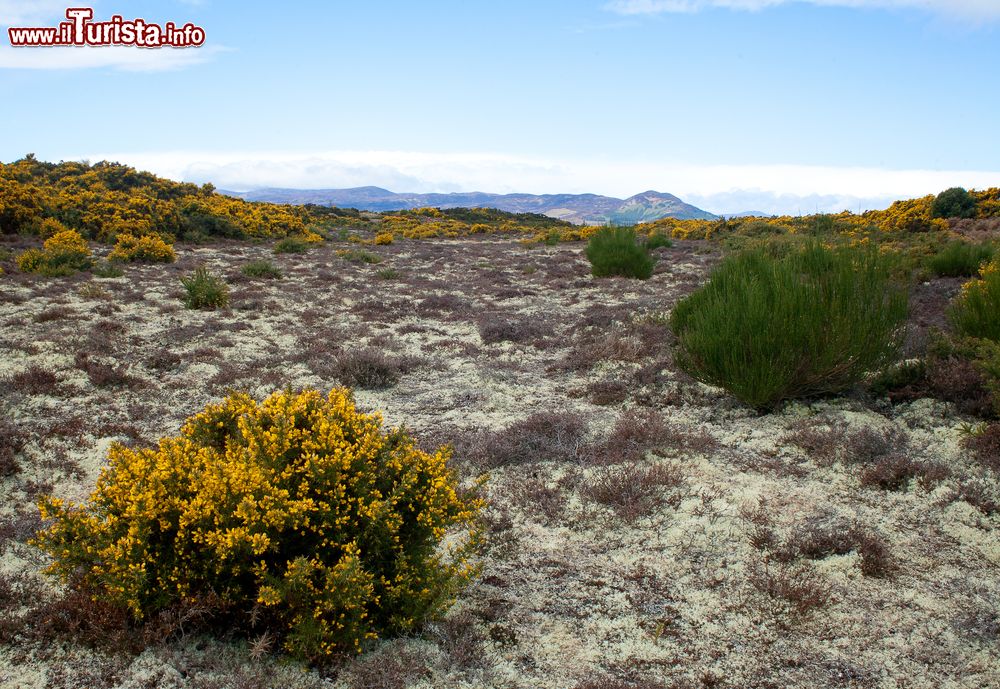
[{"x": 684, "y": 580}]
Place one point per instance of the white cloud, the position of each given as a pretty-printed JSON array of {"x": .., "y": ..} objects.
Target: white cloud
[
  {"x": 974, "y": 10},
  {"x": 718, "y": 188},
  {"x": 123, "y": 58}
]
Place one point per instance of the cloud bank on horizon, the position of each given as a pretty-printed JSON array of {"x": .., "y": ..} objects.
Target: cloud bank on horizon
[
  {"x": 773, "y": 189},
  {"x": 975, "y": 10}
]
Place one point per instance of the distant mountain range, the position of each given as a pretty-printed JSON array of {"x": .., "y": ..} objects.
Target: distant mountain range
[{"x": 589, "y": 209}]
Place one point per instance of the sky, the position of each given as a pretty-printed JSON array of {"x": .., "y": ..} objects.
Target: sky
[{"x": 781, "y": 106}]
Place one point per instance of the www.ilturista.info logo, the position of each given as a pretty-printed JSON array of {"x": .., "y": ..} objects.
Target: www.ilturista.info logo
[{"x": 81, "y": 31}]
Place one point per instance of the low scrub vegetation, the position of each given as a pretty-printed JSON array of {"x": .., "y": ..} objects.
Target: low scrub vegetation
[
  {"x": 204, "y": 290},
  {"x": 615, "y": 251},
  {"x": 814, "y": 321},
  {"x": 658, "y": 240},
  {"x": 960, "y": 259},
  {"x": 976, "y": 313},
  {"x": 359, "y": 256},
  {"x": 291, "y": 245},
  {"x": 261, "y": 269}
]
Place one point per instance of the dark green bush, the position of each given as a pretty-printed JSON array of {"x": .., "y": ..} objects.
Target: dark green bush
[
  {"x": 810, "y": 322},
  {"x": 359, "y": 256},
  {"x": 896, "y": 378},
  {"x": 954, "y": 203},
  {"x": 658, "y": 240},
  {"x": 960, "y": 259},
  {"x": 199, "y": 224},
  {"x": 291, "y": 245},
  {"x": 614, "y": 251},
  {"x": 204, "y": 290}
]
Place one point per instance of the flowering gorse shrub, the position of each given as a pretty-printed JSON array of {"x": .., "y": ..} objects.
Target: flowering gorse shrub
[
  {"x": 298, "y": 514},
  {"x": 48, "y": 227},
  {"x": 63, "y": 253},
  {"x": 66, "y": 243},
  {"x": 147, "y": 248},
  {"x": 383, "y": 238}
]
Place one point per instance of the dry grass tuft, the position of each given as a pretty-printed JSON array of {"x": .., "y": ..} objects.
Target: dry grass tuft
[
  {"x": 607, "y": 392},
  {"x": 393, "y": 667},
  {"x": 12, "y": 441},
  {"x": 543, "y": 436},
  {"x": 797, "y": 586},
  {"x": 985, "y": 446},
  {"x": 639, "y": 431},
  {"x": 368, "y": 368},
  {"x": 34, "y": 380},
  {"x": 104, "y": 375},
  {"x": 633, "y": 491},
  {"x": 496, "y": 329}
]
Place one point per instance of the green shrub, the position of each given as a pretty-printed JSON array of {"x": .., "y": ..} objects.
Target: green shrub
[
  {"x": 811, "y": 322},
  {"x": 359, "y": 256},
  {"x": 614, "y": 251},
  {"x": 261, "y": 269},
  {"x": 387, "y": 274},
  {"x": 954, "y": 203},
  {"x": 976, "y": 312},
  {"x": 960, "y": 259},
  {"x": 658, "y": 240},
  {"x": 908, "y": 374},
  {"x": 298, "y": 517},
  {"x": 823, "y": 225},
  {"x": 291, "y": 245},
  {"x": 204, "y": 290},
  {"x": 761, "y": 228}
]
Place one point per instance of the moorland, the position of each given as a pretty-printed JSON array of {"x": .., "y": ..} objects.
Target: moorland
[{"x": 636, "y": 505}]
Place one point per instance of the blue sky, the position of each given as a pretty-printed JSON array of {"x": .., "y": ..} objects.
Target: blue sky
[{"x": 775, "y": 105}]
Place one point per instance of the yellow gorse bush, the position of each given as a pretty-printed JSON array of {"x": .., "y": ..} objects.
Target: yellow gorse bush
[
  {"x": 300, "y": 510},
  {"x": 383, "y": 238},
  {"x": 66, "y": 242},
  {"x": 48, "y": 227},
  {"x": 63, "y": 253},
  {"x": 150, "y": 248}
]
